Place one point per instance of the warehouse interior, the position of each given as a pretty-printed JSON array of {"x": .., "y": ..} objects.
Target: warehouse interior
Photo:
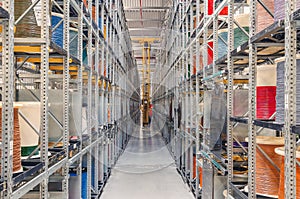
[{"x": 149, "y": 99}]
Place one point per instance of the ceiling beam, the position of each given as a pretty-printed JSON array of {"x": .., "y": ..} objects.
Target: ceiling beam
[
  {"x": 147, "y": 28},
  {"x": 154, "y": 8},
  {"x": 144, "y": 20}
]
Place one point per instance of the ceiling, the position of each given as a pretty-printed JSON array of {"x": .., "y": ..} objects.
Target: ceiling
[{"x": 146, "y": 19}]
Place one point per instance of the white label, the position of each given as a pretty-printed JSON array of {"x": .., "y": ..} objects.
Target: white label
[
  {"x": 11, "y": 151},
  {"x": 38, "y": 13}
]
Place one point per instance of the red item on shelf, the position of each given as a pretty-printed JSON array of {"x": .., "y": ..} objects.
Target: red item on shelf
[
  {"x": 265, "y": 102},
  {"x": 211, "y": 4}
]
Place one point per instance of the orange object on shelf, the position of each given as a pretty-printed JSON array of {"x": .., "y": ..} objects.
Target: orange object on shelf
[
  {"x": 16, "y": 140},
  {"x": 280, "y": 151},
  {"x": 194, "y": 171},
  {"x": 267, "y": 176}
]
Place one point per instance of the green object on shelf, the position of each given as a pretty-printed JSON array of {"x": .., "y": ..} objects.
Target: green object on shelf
[
  {"x": 239, "y": 38},
  {"x": 27, "y": 150}
]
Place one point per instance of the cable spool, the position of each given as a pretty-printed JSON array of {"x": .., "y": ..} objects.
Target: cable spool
[
  {"x": 267, "y": 177},
  {"x": 280, "y": 151},
  {"x": 280, "y": 99},
  {"x": 266, "y": 91},
  {"x": 264, "y": 19},
  {"x": 29, "y": 138},
  {"x": 16, "y": 139},
  {"x": 280, "y": 9},
  {"x": 28, "y": 26}
]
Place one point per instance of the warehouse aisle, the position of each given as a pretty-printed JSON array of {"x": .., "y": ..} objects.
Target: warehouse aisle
[{"x": 146, "y": 170}]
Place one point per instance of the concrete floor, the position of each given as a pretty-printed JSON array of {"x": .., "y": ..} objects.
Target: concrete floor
[{"x": 146, "y": 170}]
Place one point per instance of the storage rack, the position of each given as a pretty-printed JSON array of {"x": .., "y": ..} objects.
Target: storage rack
[
  {"x": 101, "y": 82},
  {"x": 183, "y": 40}
]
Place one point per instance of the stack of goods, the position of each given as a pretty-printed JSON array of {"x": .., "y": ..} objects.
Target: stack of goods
[
  {"x": 267, "y": 176},
  {"x": 280, "y": 99},
  {"x": 280, "y": 151},
  {"x": 16, "y": 141},
  {"x": 266, "y": 91}
]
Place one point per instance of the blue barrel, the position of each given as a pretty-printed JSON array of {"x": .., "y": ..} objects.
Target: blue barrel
[{"x": 84, "y": 185}]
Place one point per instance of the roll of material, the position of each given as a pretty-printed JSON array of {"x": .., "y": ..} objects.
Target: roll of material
[
  {"x": 264, "y": 19},
  {"x": 267, "y": 176},
  {"x": 29, "y": 138},
  {"x": 280, "y": 151},
  {"x": 28, "y": 26},
  {"x": 280, "y": 98},
  {"x": 16, "y": 143},
  {"x": 280, "y": 9}
]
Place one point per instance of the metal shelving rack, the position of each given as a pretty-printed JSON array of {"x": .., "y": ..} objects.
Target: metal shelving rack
[
  {"x": 102, "y": 86},
  {"x": 181, "y": 42}
]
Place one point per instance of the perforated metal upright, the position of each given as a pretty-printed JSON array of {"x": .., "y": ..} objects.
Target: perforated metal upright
[
  {"x": 230, "y": 65},
  {"x": 197, "y": 118},
  {"x": 96, "y": 102},
  {"x": 290, "y": 97},
  {"x": 89, "y": 100},
  {"x": 66, "y": 86},
  {"x": 7, "y": 97},
  {"x": 44, "y": 95},
  {"x": 80, "y": 85},
  {"x": 252, "y": 103}
]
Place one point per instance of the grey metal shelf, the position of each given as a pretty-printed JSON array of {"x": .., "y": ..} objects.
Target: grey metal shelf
[{"x": 106, "y": 50}]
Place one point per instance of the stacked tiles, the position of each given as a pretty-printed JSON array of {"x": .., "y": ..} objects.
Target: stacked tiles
[
  {"x": 239, "y": 38},
  {"x": 263, "y": 18},
  {"x": 16, "y": 141},
  {"x": 280, "y": 90},
  {"x": 280, "y": 9},
  {"x": 266, "y": 91}
]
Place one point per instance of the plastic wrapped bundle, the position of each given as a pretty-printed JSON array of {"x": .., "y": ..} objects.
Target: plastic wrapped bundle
[
  {"x": 28, "y": 26},
  {"x": 280, "y": 9},
  {"x": 280, "y": 98}
]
